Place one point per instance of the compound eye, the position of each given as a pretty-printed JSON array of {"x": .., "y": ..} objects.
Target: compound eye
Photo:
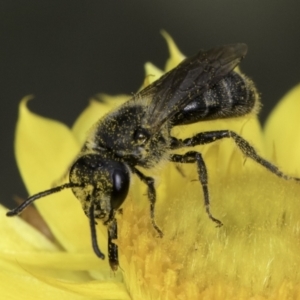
[
  {"x": 141, "y": 136},
  {"x": 121, "y": 180}
]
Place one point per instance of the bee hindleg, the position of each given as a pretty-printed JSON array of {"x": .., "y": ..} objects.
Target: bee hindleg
[
  {"x": 212, "y": 136},
  {"x": 113, "y": 256},
  {"x": 192, "y": 157},
  {"x": 149, "y": 181}
]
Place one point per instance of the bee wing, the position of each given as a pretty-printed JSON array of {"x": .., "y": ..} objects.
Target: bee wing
[{"x": 192, "y": 77}]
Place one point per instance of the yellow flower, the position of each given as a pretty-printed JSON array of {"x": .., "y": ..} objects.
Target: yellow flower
[{"x": 253, "y": 256}]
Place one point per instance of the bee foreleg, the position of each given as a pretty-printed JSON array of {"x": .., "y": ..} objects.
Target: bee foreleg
[
  {"x": 94, "y": 233},
  {"x": 192, "y": 157},
  {"x": 149, "y": 181}
]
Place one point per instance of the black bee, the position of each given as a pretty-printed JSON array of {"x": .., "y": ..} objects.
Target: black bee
[{"x": 138, "y": 134}]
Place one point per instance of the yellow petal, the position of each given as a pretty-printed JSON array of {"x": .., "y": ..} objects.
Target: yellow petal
[
  {"x": 56, "y": 260},
  {"x": 93, "y": 289},
  {"x": 17, "y": 286},
  {"x": 176, "y": 57},
  {"x": 282, "y": 132},
  {"x": 49, "y": 277},
  {"x": 23, "y": 246},
  {"x": 152, "y": 73},
  {"x": 40, "y": 143},
  {"x": 44, "y": 151},
  {"x": 17, "y": 235}
]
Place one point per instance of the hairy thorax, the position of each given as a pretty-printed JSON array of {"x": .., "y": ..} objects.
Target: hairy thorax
[{"x": 120, "y": 136}]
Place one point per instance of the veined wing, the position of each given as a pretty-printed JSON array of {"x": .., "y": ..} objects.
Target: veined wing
[{"x": 192, "y": 77}]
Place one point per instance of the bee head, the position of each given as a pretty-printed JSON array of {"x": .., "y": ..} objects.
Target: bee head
[{"x": 103, "y": 184}]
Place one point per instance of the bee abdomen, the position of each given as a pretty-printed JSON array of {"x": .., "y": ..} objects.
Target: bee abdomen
[{"x": 233, "y": 96}]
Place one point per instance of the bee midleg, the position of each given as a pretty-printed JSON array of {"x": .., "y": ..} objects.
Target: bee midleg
[
  {"x": 149, "y": 181},
  {"x": 212, "y": 136},
  {"x": 192, "y": 157},
  {"x": 113, "y": 256}
]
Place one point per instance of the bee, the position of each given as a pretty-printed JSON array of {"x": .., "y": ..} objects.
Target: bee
[{"x": 138, "y": 134}]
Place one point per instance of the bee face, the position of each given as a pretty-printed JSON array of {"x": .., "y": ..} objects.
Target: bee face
[{"x": 96, "y": 180}]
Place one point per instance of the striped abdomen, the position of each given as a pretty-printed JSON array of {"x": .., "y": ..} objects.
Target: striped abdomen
[{"x": 233, "y": 96}]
